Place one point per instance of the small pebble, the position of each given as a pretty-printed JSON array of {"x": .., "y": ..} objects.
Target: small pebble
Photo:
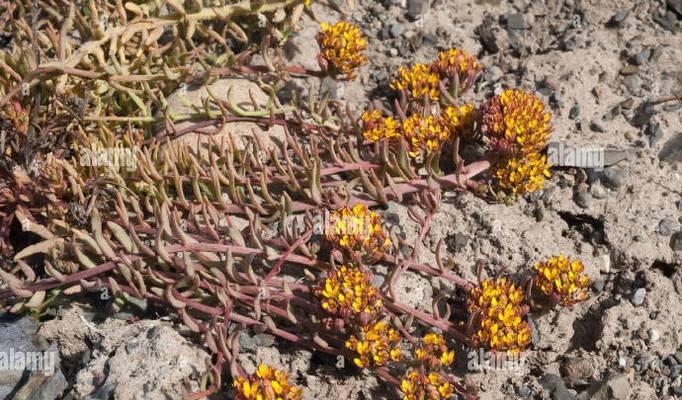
[
  {"x": 598, "y": 286},
  {"x": 668, "y": 226},
  {"x": 614, "y": 178},
  {"x": 574, "y": 112},
  {"x": 583, "y": 199},
  {"x": 638, "y": 297},
  {"x": 597, "y": 191},
  {"x": 524, "y": 391},
  {"x": 654, "y": 335}
]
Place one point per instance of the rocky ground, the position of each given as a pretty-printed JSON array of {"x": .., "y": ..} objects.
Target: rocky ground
[{"x": 601, "y": 66}]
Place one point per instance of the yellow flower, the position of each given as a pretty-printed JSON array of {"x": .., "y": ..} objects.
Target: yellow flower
[
  {"x": 376, "y": 345},
  {"x": 266, "y": 383},
  {"x": 516, "y": 122},
  {"x": 460, "y": 120},
  {"x": 377, "y": 127},
  {"x": 563, "y": 279},
  {"x": 424, "y": 134},
  {"x": 432, "y": 351},
  {"x": 431, "y": 386},
  {"x": 358, "y": 229},
  {"x": 499, "y": 323},
  {"x": 518, "y": 175},
  {"x": 418, "y": 81},
  {"x": 347, "y": 293},
  {"x": 342, "y": 45}
]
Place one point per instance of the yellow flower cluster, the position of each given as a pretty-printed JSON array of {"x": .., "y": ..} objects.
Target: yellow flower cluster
[
  {"x": 419, "y": 81},
  {"x": 348, "y": 292},
  {"x": 376, "y": 127},
  {"x": 424, "y": 79},
  {"x": 427, "y": 381},
  {"x": 460, "y": 119},
  {"x": 500, "y": 324},
  {"x": 562, "y": 279},
  {"x": 376, "y": 345},
  {"x": 521, "y": 175},
  {"x": 424, "y": 134},
  {"x": 357, "y": 229},
  {"x": 266, "y": 384},
  {"x": 342, "y": 45},
  {"x": 516, "y": 122},
  {"x": 431, "y": 386},
  {"x": 518, "y": 128},
  {"x": 433, "y": 352},
  {"x": 456, "y": 62}
]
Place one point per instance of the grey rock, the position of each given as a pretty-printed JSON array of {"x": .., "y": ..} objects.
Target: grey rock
[
  {"x": 597, "y": 127},
  {"x": 598, "y": 286},
  {"x": 597, "y": 191},
  {"x": 678, "y": 356},
  {"x": 666, "y": 20},
  {"x": 556, "y": 387},
  {"x": 634, "y": 84},
  {"x": 638, "y": 297},
  {"x": 677, "y": 390},
  {"x": 574, "y": 112},
  {"x": 654, "y": 132},
  {"x": 396, "y": 29},
  {"x": 377, "y": 280},
  {"x": 668, "y": 226},
  {"x": 457, "y": 242},
  {"x": 264, "y": 340},
  {"x": 516, "y": 21},
  {"x": 619, "y": 387},
  {"x": 676, "y": 241},
  {"x": 247, "y": 342},
  {"x": 487, "y": 36},
  {"x": 524, "y": 391},
  {"x": 643, "y": 114},
  {"x": 583, "y": 199},
  {"x": 654, "y": 335},
  {"x": 672, "y": 150},
  {"x": 642, "y": 57},
  {"x": 417, "y": 8},
  {"x": 15, "y": 335},
  {"x": 675, "y": 6},
  {"x": 577, "y": 370},
  {"x": 614, "y": 178},
  {"x": 618, "y": 19}
]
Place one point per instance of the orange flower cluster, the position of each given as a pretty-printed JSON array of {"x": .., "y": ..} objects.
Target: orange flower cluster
[
  {"x": 424, "y": 134},
  {"x": 563, "y": 280},
  {"x": 357, "y": 229},
  {"x": 500, "y": 316},
  {"x": 376, "y": 127},
  {"x": 427, "y": 381},
  {"x": 266, "y": 383},
  {"x": 376, "y": 345},
  {"x": 347, "y": 293},
  {"x": 518, "y": 128},
  {"x": 342, "y": 45},
  {"x": 423, "y": 80}
]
